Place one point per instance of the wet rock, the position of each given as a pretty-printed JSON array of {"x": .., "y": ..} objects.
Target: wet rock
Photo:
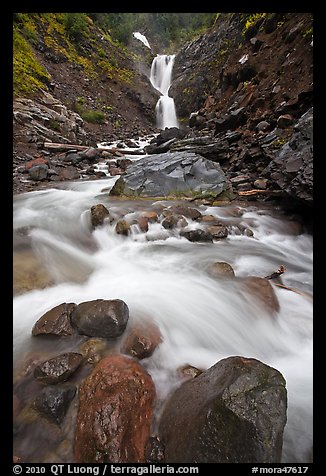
[
  {"x": 170, "y": 222},
  {"x": 36, "y": 161},
  {"x": 142, "y": 222},
  {"x": 38, "y": 172},
  {"x": 101, "y": 318},
  {"x": 234, "y": 412},
  {"x": 69, "y": 173},
  {"x": 151, "y": 216},
  {"x": 284, "y": 121},
  {"x": 170, "y": 173},
  {"x": 186, "y": 211},
  {"x": 93, "y": 350},
  {"x": 218, "y": 231},
  {"x": 122, "y": 227},
  {"x": 99, "y": 213},
  {"x": 197, "y": 235},
  {"x": 189, "y": 371},
  {"x": 58, "y": 369},
  {"x": 142, "y": 340},
  {"x": 53, "y": 402},
  {"x": 263, "y": 126},
  {"x": 56, "y": 321},
  {"x": 123, "y": 164},
  {"x": 220, "y": 269},
  {"x": 91, "y": 154},
  {"x": 154, "y": 452},
  {"x": 262, "y": 290},
  {"x": 115, "y": 413}
]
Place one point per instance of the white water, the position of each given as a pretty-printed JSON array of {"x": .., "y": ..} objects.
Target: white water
[
  {"x": 139, "y": 36},
  {"x": 161, "y": 76},
  {"x": 163, "y": 276}
]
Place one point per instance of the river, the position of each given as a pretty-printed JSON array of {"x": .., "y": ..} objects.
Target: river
[{"x": 164, "y": 276}]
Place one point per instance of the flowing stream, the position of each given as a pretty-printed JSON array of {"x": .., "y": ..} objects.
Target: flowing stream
[
  {"x": 162, "y": 275},
  {"x": 161, "y": 76}
]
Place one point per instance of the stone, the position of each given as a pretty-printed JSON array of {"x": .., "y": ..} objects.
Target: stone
[
  {"x": 261, "y": 184},
  {"x": 101, "y": 318},
  {"x": 122, "y": 227},
  {"x": 154, "y": 451},
  {"x": 38, "y": 172},
  {"x": 262, "y": 291},
  {"x": 58, "y": 369},
  {"x": 69, "y": 173},
  {"x": 284, "y": 121},
  {"x": 220, "y": 269},
  {"x": 234, "y": 412},
  {"x": 142, "y": 222},
  {"x": 91, "y": 154},
  {"x": 142, "y": 340},
  {"x": 197, "y": 235},
  {"x": 115, "y": 413},
  {"x": 53, "y": 402},
  {"x": 263, "y": 126},
  {"x": 37, "y": 161},
  {"x": 186, "y": 211},
  {"x": 93, "y": 349},
  {"x": 218, "y": 231},
  {"x": 189, "y": 371},
  {"x": 170, "y": 222},
  {"x": 99, "y": 213},
  {"x": 56, "y": 321},
  {"x": 171, "y": 173},
  {"x": 151, "y": 216}
]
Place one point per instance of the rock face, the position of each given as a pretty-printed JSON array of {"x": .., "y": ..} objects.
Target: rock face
[
  {"x": 56, "y": 321},
  {"x": 292, "y": 168},
  {"x": 101, "y": 318},
  {"x": 115, "y": 413},
  {"x": 170, "y": 173},
  {"x": 234, "y": 412}
]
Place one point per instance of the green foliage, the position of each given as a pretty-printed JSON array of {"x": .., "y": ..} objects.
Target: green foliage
[
  {"x": 76, "y": 25},
  {"x": 28, "y": 74},
  {"x": 251, "y": 20},
  {"x": 308, "y": 33},
  {"x": 93, "y": 116},
  {"x": 54, "y": 125}
]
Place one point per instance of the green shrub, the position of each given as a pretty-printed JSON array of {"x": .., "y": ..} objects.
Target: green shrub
[
  {"x": 76, "y": 25},
  {"x": 95, "y": 117}
]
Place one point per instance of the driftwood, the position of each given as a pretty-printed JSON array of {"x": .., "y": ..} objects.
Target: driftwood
[
  {"x": 302, "y": 293},
  {"x": 66, "y": 147},
  {"x": 276, "y": 276},
  {"x": 276, "y": 193}
]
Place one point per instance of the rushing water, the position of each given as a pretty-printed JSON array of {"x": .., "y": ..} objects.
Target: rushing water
[
  {"x": 161, "y": 76},
  {"x": 161, "y": 275}
]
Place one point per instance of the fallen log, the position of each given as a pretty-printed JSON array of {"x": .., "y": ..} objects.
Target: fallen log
[
  {"x": 276, "y": 193},
  {"x": 302, "y": 293},
  {"x": 66, "y": 147}
]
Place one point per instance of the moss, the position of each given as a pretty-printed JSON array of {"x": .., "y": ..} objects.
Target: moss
[
  {"x": 54, "y": 125},
  {"x": 95, "y": 117},
  {"x": 308, "y": 33},
  {"x": 251, "y": 21},
  {"x": 29, "y": 75}
]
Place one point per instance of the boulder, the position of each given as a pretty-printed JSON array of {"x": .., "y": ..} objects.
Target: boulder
[
  {"x": 234, "y": 412},
  {"x": 284, "y": 121},
  {"x": 218, "y": 231},
  {"x": 186, "y": 211},
  {"x": 262, "y": 291},
  {"x": 122, "y": 227},
  {"x": 101, "y": 318},
  {"x": 38, "y": 172},
  {"x": 93, "y": 349},
  {"x": 115, "y": 412},
  {"x": 58, "y": 369},
  {"x": 53, "y": 402},
  {"x": 69, "y": 173},
  {"x": 142, "y": 340},
  {"x": 171, "y": 173},
  {"x": 98, "y": 214},
  {"x": 197, "y": 235},
  {"x": 220, "y": 269},
  {"x": 56, "y": 321}
]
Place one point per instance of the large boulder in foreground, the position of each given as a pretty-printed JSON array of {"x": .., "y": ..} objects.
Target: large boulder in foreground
[
  {"x": 101, "y": 318},
  {"x": 115, "y": 413},
  {"x": 172, "y": 173},
  {"x": 234, "y": 412}
]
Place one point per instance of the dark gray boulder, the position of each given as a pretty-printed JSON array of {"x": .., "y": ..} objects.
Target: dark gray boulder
[
  {"x": 172, "y": 173},
  {"x": 234, "y": 412},
  {"x": 53, "y": 402},
  {"x": 59, "y": 368},
  {"x": 56, "y": 321},
  {"x": 101, "y": 318}
]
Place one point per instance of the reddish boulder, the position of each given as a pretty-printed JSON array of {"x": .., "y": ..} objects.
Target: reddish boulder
[
  {"x": 115, "y": 413},
  {"x": 98, "y": 214},
  {"x": 37, "y": 161},
  {"x": 142, "y": 340}
]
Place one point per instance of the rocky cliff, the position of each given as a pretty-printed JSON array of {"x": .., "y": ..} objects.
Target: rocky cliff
[{"x": 251, "y": 76}]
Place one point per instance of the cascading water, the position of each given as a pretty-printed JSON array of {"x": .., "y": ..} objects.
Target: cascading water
[
  {"x": 161, "y": 76},
  {"x": 161, "y": 275}
]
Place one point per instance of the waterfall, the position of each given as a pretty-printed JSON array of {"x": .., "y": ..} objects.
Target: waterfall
[{"x": 161, "y": 74}]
